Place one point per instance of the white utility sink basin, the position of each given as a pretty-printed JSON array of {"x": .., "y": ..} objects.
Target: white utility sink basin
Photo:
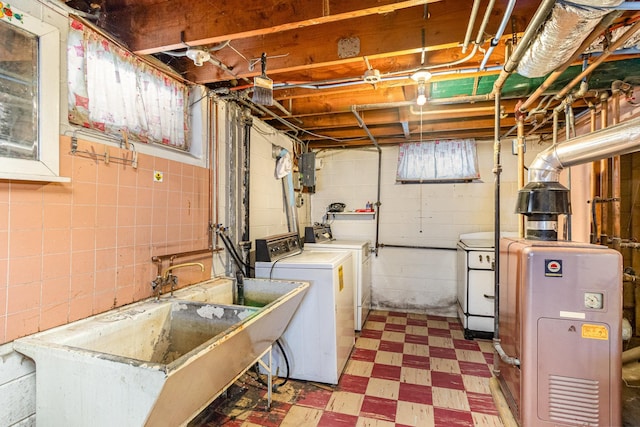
[{"x": 154, "y": 363}]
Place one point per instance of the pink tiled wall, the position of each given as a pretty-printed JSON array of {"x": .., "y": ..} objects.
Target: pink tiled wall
[{"x": 70, "y": 250}]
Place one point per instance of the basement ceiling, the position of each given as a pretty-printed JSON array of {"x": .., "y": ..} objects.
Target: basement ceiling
[{"x": 334, "y": 62}]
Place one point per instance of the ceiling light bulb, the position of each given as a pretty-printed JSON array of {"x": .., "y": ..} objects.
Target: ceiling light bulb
[
  {"x": 422, "y": 98},
  {"x": 421, "y": 76}
]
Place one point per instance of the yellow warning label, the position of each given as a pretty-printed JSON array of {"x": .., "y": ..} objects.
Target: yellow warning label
[
  {"x": 596, "y": 332},
  {"x": 340, "y": 278}
]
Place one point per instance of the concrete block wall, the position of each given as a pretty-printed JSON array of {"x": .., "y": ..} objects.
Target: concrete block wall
[
  {"x": 428, "y": 215},
  {"x": 17, "y": 388}
]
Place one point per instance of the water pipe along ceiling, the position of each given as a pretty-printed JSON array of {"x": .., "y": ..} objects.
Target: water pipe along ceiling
[{"x": 329, "y": 58}]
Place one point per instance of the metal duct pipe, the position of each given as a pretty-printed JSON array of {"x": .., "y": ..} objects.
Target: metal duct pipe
[
  {"x": 561, "y": 35},
  {"x": 623, "y": 138},
  {"x": 509, "y": 67},
  {"x": 544, "y": 198},
  {"x": 602, "y": 26}
]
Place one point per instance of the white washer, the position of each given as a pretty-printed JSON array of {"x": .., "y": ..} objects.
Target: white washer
[
  {"x": 320, "y": 336},
  {"x": 362, "y": 268}
]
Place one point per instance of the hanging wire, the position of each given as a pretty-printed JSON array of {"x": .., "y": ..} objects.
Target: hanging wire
[{"x": 420, "y": 185}]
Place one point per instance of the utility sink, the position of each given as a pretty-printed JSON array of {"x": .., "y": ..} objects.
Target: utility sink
[{"x": 153, "y": 363}]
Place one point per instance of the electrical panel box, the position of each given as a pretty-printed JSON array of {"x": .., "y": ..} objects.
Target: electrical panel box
[{"x": 307, "y": 167}]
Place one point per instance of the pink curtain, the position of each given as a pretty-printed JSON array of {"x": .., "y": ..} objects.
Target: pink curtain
[{"x": 112, "y": 91}]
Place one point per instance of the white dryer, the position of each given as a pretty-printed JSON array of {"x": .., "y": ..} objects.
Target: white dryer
[
  {"x": 320, "y": 336},
  {"x": 320, "y": 238}
]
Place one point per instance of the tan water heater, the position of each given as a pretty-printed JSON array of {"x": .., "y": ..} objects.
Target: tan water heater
[{"x": 561, "y": 319}]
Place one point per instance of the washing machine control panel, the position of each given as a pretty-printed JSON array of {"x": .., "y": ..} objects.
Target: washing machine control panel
[{"x": 275, "y": 247}]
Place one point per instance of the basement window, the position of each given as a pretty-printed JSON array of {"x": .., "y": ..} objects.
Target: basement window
[
  {"x": 113, "y": 91},
  {"x": 29, "y": 97},
  {"x": 438, "y": 161}
]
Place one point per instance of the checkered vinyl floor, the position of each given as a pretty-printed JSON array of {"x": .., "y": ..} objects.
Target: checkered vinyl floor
[{"x": 405, "y": 370}]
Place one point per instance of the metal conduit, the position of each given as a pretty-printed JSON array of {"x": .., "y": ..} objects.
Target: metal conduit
[
  {"x": 472, "y": 20},
  {"x": 494, "y": 41},
  {"x": 363, "y": 125}
]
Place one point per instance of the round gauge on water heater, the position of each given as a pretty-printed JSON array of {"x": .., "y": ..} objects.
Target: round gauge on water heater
[{"x": 593, "y": 300}]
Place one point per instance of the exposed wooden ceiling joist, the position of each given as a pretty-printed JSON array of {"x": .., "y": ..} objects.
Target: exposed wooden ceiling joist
[{"x": 320, "y": 51}]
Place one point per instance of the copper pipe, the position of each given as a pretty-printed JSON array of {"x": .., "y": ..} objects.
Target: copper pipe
[
  {"x": 604, "y": 167},
  {"x": 159, "y": 259},
  {"x": 605, "y": 54},
  {"x": 595, "y": 181},
  {"x": 615, "y": 171}
]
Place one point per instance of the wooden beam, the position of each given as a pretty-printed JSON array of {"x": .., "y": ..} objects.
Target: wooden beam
[
  {"x": 164, "y": 26},
  {"x": 309, "y": 49}
]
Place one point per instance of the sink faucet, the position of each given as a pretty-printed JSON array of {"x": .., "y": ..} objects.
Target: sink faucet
[{"x": 167, "y": 278}]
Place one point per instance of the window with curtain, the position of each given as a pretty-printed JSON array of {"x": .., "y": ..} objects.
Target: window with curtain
[
  {"x": 438, "y": 161},
  {"x": 113, "y": 91},
  {"x": 29, "y": 96}
]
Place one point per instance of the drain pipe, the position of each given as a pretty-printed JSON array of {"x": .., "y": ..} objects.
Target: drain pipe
[
  {"x": 362, "y": 124},
  {"x": 245, "y": 243}
]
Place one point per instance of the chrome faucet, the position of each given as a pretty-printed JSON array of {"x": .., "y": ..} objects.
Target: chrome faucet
[{"x": 167, "y": 278}]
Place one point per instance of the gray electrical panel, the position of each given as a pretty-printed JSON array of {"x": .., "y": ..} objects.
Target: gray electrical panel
[{"x": 307, "y": 167}]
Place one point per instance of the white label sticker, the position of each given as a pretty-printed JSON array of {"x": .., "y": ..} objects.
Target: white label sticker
[{"x": 572, "y": 314}]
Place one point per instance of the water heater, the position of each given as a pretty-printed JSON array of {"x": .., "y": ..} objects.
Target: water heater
[{"x": 561, "y": 319}]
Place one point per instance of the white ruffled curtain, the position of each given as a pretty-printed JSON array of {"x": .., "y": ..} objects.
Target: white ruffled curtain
[
  {"x": 113, "y": 91},
  {"x": 446, "y": 160}
]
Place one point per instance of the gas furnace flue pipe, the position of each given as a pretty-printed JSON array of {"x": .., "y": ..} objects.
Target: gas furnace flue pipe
[{"x": 620, "y": 139}]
